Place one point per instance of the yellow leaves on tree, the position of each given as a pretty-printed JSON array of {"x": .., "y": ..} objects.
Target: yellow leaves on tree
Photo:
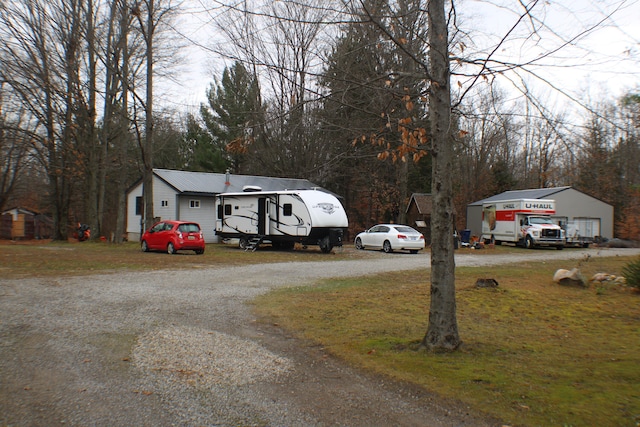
[{"x": 239, "y": 145}]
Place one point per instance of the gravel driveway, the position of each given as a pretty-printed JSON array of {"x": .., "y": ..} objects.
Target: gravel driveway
[{"x": 182, "y": 348}]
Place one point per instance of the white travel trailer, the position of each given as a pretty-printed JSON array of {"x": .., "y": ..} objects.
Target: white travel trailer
[
  {"x": 525, "y": 222},
  {"x": 309, "y": 217}
]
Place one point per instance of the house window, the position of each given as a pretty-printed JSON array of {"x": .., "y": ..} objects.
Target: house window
[
  {"x": 287, "y": 209},
  {"x": 195, "y": 204},
  {"x": 139, "y": 205},
  {"x": 164, "y": 203}
]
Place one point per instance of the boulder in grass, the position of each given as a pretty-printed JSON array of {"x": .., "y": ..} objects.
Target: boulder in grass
[
  {"x": 486, "y": 283},
  {"x": 569, "y": 277}
]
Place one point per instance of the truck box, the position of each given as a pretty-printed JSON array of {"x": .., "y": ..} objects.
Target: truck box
[{"x": 524, "y": 222}]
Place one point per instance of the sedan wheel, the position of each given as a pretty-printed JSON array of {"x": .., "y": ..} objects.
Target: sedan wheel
[
  {"x": 359, "y": 244},
  {"x": 171, "y": 249},
  {"x": 144, "y": 246},
  {"x": 386, "y": 247}
]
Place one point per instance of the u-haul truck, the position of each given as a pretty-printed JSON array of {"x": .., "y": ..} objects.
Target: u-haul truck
[{"x": 525, "y": 222}]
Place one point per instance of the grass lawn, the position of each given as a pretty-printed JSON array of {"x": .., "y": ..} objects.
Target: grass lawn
[
  {"x": 45, "y": 258},
  {"x": 534, "y": 353}
]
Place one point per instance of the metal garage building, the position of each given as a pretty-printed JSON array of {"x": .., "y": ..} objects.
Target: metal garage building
[{"x": 571, "y": 205}]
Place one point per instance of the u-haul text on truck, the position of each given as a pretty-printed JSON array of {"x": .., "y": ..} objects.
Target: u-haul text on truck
[{"x": 525, "y": 222}]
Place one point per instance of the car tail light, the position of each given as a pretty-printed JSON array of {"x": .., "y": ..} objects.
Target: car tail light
[
  {"x": 421, "y": 237},
  {"x": 401, "y": 236}
]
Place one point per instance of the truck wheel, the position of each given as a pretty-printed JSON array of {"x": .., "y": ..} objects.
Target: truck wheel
[{"x": 528, "y": 242}]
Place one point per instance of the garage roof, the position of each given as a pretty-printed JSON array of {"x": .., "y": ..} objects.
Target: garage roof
[{"x": 534, "y": 193}]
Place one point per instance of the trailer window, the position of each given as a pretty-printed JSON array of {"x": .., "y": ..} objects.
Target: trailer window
[
  {"x": 227, "y": 209},
  {"x": 287, "y": 209}
]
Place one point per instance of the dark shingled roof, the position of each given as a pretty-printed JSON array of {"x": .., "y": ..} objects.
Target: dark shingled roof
[
  {"x": 206, "y": 183},
  {"x": 423, "y": 202}
]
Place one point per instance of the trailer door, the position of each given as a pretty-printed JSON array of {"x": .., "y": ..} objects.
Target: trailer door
[{"x": 262, "y": 216}]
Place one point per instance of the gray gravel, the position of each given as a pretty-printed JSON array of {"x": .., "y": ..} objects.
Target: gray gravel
[{"x": 168, "y": 348}]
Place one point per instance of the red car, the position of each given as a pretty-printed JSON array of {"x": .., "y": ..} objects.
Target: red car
[{"x": 173, "y": 236}]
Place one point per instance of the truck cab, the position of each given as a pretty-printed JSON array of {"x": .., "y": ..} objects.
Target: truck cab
[{"x": 540, "y": 230}]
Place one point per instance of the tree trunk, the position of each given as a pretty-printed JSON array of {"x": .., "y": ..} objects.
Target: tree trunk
[
  {"x": 147, "y": 179},
  {"x": 442, "y": 332}
]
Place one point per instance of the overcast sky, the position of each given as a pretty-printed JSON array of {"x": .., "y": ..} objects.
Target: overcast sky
[{"x": 601, "y": 60}]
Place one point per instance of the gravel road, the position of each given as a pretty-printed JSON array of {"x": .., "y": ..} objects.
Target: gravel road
[{"x": 168, "y": 348}]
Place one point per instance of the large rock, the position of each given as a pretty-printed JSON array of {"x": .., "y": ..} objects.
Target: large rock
[{"x": 569, "y": 277}]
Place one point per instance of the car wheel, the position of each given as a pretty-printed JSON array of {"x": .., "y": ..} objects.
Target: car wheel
[
  {"x": 386, "y": 247},
  {"x": 171, "y": 249},
  {"x": 199, "y": 251},
  {"x": 413, "y": 251},
  {"x": 144, "y": 246},
  {"x": 359, "y": 244},
  {"x": 528, "y": 242}
]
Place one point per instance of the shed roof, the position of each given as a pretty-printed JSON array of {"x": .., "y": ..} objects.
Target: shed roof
[
  {"x": 533, "y": 193},
  {"x": 215, "y": 183},
  {"x": 422, "y": 201}
]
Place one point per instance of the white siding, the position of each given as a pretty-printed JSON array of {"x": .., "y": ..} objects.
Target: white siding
[
  {"x": 133, "y": 220},
  {"x": 164, "y": 192},
  {"x": 204, "y": 215}
]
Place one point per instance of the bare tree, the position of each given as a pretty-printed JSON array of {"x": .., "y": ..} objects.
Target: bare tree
[
  {"x": 42, "y": 67},
  {"x": 15, "y": 138},
  {"x": 152, "y": 17}
]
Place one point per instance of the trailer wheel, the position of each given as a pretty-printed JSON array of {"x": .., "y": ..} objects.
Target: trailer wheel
[
  {"x": 325, "y": 245},
  {"x": 528, "y": 242},
  {"x": 243, "y": 243}
]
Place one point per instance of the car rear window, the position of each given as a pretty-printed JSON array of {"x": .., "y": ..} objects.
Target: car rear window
[
  {"x": 189, "y": 228},
  {"x": 405, "y": 229}
]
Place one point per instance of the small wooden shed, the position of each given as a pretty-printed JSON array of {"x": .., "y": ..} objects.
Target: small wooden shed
[
  {"x": 419, "y": 214},
  {"x": 23, "y": 224}
]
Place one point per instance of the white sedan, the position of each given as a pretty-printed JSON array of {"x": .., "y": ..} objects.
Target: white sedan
[{"x": 390, "y": 237}]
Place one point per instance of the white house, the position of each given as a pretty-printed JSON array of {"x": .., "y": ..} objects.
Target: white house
[
  {"x": 190, "y": 196},
  {"x": 571, "y": 205}
]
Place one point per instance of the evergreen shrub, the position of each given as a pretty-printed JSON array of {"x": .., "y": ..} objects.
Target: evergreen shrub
[{"x": 631, "y": 273}]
